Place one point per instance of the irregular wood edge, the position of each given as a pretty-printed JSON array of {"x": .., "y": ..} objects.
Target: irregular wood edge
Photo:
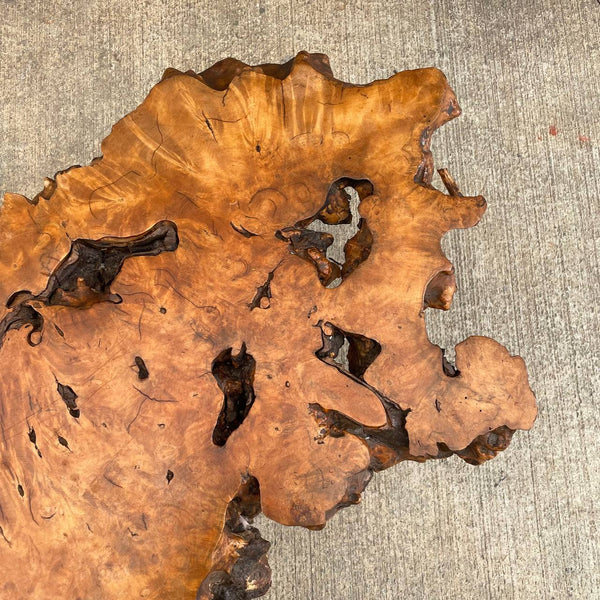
[
  {"x": 240, "y": 568},
  {"x": 220, "y": 75}
]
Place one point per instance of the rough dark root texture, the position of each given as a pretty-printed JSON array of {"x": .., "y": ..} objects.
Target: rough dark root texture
[{"x": 183, "y": 345}]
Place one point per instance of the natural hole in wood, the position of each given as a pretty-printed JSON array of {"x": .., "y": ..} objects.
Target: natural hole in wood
[
  {"x": 235, "y": 376},
  {"x": 223, "y": 314},
  {"x": 335, "y": 239}
]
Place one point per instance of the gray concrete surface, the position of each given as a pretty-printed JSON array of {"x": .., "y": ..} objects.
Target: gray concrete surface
[{"x": 524, "y": 526}]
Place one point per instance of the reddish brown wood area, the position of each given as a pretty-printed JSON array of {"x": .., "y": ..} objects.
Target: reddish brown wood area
[{"x": 182, "y": 347}]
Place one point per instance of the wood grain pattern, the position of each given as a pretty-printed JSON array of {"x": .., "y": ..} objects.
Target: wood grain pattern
[{"x": 519, "y": 69}]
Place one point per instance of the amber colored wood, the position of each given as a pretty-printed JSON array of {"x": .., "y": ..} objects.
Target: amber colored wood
[{"x": 180, "y": 349}]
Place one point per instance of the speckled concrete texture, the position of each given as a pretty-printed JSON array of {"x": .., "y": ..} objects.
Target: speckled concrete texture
[{"x": 527, "y": 75}]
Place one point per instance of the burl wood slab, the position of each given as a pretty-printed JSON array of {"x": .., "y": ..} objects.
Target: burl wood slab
[{"x": 180, "y": 348}]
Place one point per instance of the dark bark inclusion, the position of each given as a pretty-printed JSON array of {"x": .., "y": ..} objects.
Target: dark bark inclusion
[
  {"x": 262, "y": 297},
  {"x": 352, "y": 354},
  {"x": 249, "y": 575},
  {"x": 69, "y": 398},
  {"x": 235, "y": 376},
  {"x": 84, "y": 276},
  {"x": 142, "y": 368}
]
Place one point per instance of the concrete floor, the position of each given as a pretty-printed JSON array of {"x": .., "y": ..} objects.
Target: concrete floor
[{"x": 527, "y": 75}]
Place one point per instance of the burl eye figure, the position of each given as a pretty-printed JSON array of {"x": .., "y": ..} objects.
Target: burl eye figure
[{"x": 225, "y": 314}]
